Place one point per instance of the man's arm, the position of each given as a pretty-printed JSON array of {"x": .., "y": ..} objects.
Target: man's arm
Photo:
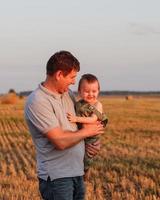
[{"x": 65, "y": 139}]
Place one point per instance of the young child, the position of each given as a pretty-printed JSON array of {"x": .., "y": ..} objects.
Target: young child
[{"x": 88, "y": 109}]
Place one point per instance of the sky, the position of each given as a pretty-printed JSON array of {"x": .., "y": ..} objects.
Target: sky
[{"x": 118, "y": 41}]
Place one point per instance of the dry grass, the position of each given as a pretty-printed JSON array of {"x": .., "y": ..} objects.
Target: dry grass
[{"x": 127, "y": 168}]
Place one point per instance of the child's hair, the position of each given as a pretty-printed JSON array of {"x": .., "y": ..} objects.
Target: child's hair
[{"x": 90, "y": 78}]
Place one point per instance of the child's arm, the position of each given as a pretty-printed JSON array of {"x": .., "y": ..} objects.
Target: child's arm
[{"x": 85, "y": 120}]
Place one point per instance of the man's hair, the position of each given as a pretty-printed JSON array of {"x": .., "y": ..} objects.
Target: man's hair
[
  {"x": 90, "y": 78},
  {"x": 64, "y": 61}
]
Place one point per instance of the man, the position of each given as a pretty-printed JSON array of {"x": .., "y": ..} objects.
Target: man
[{"x": 59, "y": 145}]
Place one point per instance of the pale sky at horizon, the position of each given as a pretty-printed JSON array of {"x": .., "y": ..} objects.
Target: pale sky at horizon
[{"x": 118, "y": 41}]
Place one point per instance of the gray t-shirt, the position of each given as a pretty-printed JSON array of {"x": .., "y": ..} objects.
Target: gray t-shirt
[{"x": 44, "y": 111}]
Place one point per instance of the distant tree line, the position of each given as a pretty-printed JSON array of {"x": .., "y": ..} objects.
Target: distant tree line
[
  {"x": 119, "y": 92},
  {"x": 112, "y": 93}
]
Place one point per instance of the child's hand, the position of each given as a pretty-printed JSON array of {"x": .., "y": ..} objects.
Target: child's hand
[{"x": 71, "y": 118}]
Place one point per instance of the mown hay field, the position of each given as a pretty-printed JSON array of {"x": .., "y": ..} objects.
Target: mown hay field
[{"x": 127, "y": 167}]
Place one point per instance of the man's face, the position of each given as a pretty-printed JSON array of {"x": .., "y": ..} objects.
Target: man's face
[{"x": 66, "y": 81}]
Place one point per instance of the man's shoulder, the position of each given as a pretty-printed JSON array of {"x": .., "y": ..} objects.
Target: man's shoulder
[
  {"x": 37, "y": 102},
  {"x": 36, "y": 96}
]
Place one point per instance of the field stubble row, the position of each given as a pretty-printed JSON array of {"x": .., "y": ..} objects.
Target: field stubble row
[{"x": 127, "y": 167}]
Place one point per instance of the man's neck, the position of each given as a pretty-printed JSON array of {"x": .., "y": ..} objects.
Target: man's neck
[{"x": 50, "y": 86}]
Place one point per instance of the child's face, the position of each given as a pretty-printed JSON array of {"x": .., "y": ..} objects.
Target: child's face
[{"x": 89, "y": 91}]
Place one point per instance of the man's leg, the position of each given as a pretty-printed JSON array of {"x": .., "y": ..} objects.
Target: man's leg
[
  {"x": 79, "y": 188},
  {"x": 58, "y": 189}
]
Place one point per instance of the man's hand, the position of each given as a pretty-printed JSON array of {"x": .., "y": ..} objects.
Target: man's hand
[
  {"x": 93, "y": 129},
  {"x": 93, "y": 149}
]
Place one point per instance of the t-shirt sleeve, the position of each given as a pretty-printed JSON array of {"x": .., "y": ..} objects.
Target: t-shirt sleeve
[{"x": 41, "y": 115}]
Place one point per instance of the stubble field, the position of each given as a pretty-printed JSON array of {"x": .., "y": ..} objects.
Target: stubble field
[{"x": 127, "y": 167}]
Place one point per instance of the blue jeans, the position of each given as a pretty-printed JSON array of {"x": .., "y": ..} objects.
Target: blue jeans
[{"x": 69, "y": 188}]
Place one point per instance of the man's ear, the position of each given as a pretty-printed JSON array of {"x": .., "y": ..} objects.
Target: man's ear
[{"x": 59, "y": 75}]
